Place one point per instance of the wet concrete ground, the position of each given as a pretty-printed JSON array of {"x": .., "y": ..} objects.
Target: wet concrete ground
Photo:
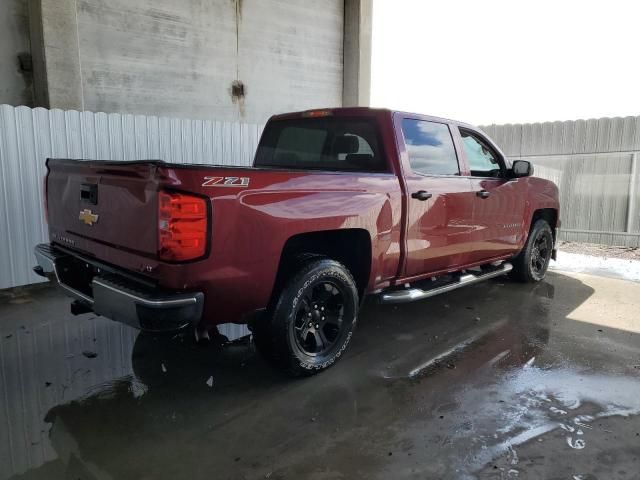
[{"x": 498, "y": 380}]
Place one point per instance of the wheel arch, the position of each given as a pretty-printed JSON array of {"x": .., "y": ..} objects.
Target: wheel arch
[
  {"x": 550, "y": 215},
  {"x": 351, "y": 247}
]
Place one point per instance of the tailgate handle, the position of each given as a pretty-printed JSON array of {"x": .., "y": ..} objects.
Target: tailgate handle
[{"x": 89, "y": 193}]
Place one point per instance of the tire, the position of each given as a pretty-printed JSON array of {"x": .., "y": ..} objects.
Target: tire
[
  {"x": 530, "y": 266},
  {"x": 312, "y": 321}
]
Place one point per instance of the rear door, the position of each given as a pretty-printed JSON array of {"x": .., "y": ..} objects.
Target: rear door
[
  {"x": 499, "y": 202},
  {"x": 440, "y": 201}
]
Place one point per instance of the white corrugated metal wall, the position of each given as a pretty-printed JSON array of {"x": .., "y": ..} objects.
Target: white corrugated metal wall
[
  {"x": 595, "y": 165},
  {"x": 29, "y": 136}
]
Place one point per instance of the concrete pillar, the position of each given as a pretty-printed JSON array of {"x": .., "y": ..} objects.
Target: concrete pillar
[
  {"x": 56, "y": 55},
  {"x": 40, "y": 94},
  {"x": 358, "y": 19}
]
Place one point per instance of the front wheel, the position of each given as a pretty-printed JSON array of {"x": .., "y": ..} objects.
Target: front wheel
[
  {"x": 312, "y": 321},
  {"x": 532, "y": 262}
]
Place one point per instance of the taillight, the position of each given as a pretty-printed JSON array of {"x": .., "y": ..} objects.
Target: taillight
[
  {"x": 316, "y": 113},
  {"x": 182, "y": 226}
]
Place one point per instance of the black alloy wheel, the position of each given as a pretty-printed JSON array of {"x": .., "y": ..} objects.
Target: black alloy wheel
[
  {"x": 319, "y": 319},
  {"x": 540, "y": 254},
  {"x": 531, "y": 264},
  {"x": 311, "y": 323}
]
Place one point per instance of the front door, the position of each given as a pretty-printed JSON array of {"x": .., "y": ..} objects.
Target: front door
[
  {"x": 440, "y": 200},
  {"x": 499, "y": 203}
]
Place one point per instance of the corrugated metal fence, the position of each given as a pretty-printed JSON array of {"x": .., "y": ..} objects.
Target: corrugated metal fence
[
  {"x": 595, "y": 165},
  {"x": 29, "y": 136}
]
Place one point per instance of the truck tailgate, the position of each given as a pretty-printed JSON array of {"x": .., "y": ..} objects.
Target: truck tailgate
[{"x": 111, "y": 203}]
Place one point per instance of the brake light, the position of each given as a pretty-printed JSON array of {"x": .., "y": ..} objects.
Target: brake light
[
  {"x": 182, "y": 226},
  {"x": 316, "y": 113}
]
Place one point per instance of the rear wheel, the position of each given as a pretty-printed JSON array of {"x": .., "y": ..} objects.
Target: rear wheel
[
  {"x": 532, "y": 262},
  {"x": 312, "y": 321}
]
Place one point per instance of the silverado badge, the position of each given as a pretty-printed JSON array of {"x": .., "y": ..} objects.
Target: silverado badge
[{"x": 88, "y": 217}]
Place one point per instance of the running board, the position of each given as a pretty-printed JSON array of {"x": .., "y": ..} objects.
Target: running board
[{"x": 413, "y": 294}]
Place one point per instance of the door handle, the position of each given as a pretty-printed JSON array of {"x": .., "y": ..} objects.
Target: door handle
[
  {"x": 483, "y": 194},
  {"x": 421, "y": 195}
]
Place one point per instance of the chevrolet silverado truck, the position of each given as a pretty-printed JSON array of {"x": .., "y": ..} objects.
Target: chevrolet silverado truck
[{"x": 339, "y": 204}]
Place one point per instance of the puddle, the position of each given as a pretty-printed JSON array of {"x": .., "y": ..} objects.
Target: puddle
[
  {"x": 425, "y": 391},
  {"x": 412, "y": 363},
  {"x": 534, "y": 402}
]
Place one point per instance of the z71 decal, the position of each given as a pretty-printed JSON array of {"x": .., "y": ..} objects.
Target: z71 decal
[{"x": 226, "y": 182}]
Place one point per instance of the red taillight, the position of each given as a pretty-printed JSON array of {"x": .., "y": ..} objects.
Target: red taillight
[
  {"x": 316, "y": 113},
  {"x": 182, "y": 226}
]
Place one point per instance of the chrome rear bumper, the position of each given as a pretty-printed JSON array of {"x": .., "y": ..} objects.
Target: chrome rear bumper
[{"x": 116, "y": 296}]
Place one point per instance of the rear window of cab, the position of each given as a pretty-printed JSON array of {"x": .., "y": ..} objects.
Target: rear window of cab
[{"x": 327, "y": 143}]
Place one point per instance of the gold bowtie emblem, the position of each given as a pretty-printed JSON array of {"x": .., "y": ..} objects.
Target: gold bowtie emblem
[{"x": 88, "y": 217}]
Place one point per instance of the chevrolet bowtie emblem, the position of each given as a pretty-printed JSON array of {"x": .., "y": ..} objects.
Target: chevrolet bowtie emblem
[{"x": 88, "y": 217}]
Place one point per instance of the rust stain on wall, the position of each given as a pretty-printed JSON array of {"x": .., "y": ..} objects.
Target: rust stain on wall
[
  {"x": 237, "y": 87},
  {"x": 238, "y": 93}
]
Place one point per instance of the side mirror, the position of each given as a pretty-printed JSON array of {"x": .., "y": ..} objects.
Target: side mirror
[{"x": 522, "y": 168}]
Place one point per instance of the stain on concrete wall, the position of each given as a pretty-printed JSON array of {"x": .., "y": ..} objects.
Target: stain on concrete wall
[
  {"x": 15, "y": 54},
  {"x": 188, "y": 58}
]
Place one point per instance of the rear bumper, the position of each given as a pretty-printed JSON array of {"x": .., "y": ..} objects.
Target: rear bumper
[{"x": 116, "y": 295}]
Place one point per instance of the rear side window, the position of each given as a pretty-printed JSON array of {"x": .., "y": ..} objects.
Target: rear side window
[
  {"x": 328, "y": 143},
  {"x": 430, "y": 147}
]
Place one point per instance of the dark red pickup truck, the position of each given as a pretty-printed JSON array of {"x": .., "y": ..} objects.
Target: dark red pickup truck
[{"x": 340, "y": 204}]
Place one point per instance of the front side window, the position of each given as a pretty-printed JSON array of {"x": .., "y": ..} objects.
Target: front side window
[
  {"x": 430, "y": 147},
  {"x": 329, "y": 143},
  {"x": 483, "y": 161}
]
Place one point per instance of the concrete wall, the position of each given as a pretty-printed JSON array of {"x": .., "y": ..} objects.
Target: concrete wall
[
  {"x": 15, "y": 74},
  {"x": 234, "y": 60},
  {"x": 182, "y": 58}
]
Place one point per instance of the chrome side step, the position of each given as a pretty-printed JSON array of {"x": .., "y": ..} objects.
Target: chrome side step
[{"x": 413, "y": 294}]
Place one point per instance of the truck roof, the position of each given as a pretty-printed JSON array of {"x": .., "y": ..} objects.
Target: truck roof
[{"x": 361, "y": 111}]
